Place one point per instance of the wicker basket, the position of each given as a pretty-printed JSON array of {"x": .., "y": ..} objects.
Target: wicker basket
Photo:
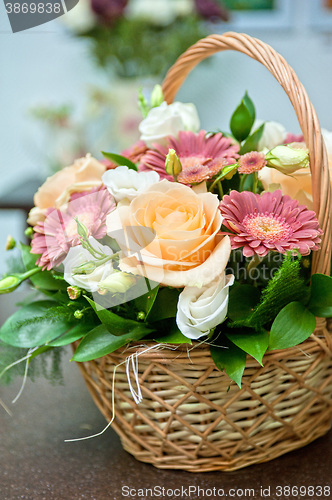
[{"x": 192, "y": 417}]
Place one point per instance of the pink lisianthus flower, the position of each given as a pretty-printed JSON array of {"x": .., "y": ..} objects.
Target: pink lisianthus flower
[
  {"x": 58, "y": 232},
  {"x": 194, "y": 151},
  {"x": 269, "y": 221}
]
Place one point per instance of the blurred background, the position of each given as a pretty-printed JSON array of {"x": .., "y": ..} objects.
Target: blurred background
[{"x": 70, "y": 86}]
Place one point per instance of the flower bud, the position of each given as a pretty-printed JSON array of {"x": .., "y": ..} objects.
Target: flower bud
[
  {"x": 9, "y": 284},
  {"x": 85, "y": 268},
  {"x": 157, "y": 96},
  {"x": 141, "y": 316},
  {"x": 74, "y": 292},
  {"x": 287, "y": 159},
  {"x": 172, "y": 164},
  {"x": 81, "y": 229},
  {"x": 78, "y": 314},
  {"x": 29, "y": 232},
  {"x": 10, "y": 243},
  {"x": 117, "y": 282}
]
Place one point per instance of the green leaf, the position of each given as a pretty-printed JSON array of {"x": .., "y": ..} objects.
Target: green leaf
[
  {"x": 251, "y": 144},
  {"x": 293, "y": 325},
  {"x": 36, "y": 324},
  {"x": 251, "y": 342},
  {"x": 75, "y": 333},
  {"x": 229, "y": 358},
  {"x": 174, "y": 336},
  {"x": 165, "y": 305},
  {"x": 117, "y": 325},
  {"x": 44, "y": 279},
  {"x": 250, "y": 106},
  {"x": 100, "y": 342},
  {"x": 242, "y": 301},
  {"x": 320, "y": 303},
  {"x": 145, "y": 302},
  {"x": 241, "y": 122},
  {"x": 120, "y": 160}
]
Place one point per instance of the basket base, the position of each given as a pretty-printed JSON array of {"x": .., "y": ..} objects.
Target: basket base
[{"x": 194, "y": 419}]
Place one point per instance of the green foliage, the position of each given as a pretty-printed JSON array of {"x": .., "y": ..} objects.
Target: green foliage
[
  {"x": 227, "y": 356},
  {"x": 320, "y": 303},
  {"x": 251, "y": 143},
  {"x": 138, "y": 48},
  {"x": 251, "y": 342},
  {"x": 100, "y": 342},
  {"x": 36, "y": 324},
  {"x": 169, "y": 333},
  {"x": 242, "y": 301},
  {"x": 287, "y": 285},
  {"x": 165, "y": 305},
  {"x": 120, "y": 160},
  {"x": 293, "y": 325},
  {"x": 45, "y": 280},
  {"x": 243, "y": 119},
  {"x": 117, "y": 325}
]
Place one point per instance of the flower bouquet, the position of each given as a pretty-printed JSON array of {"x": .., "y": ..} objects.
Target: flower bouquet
[{"x": 187, "y": 284}]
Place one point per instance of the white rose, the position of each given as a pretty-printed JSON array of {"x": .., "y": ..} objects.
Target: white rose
[
  {"x": 274, "y": 134},
  {"x": 166, "y": 120},
  {"x": 201, "y": 309},
  {"x": 125, "y": 184},
  {"x": 76, "y": 257}
]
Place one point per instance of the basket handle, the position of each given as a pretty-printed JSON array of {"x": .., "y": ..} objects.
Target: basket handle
[{"x": 304, "y": 110}]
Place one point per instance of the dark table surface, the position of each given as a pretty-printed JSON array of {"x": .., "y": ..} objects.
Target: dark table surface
[{"x": 36, "y": 463}]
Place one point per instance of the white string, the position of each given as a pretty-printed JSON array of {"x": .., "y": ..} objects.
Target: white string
[
  {"x": 5, "y": 407},
  {"x": 25, "y": 376},
  {"x": 30, "y": 351},
  {"x": 137, "y": 396}
]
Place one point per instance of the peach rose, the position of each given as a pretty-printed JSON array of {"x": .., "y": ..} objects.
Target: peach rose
[
  {"x": 171, "y": 235},
  {"x": 297, "y": 185},
  {"x": 83, "y": 175}
]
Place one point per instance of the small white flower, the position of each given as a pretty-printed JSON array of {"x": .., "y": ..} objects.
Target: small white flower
[
  {"x": 78, "y": 256},
  {"x": 166, "y": 120},
  {"x": 201, "y": 309},
  {"x": 125, "y": 184},
  {"x": 159, "y": 12},
  {"x": 274, "y": 134}
]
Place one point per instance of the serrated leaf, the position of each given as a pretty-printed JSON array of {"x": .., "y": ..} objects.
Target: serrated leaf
[
  {"x": 117, "y": 325},
  {"x": 293, "y": 325},
  {"x": 242, "y": 301},
  {"x": 251, "y": 342},
  {"x": 230, "y": 358},
  {"x": 120, "y": 160},
  {"x": 251, "y": 143},
  {"x": 241, "y": 122},
  {"x": 100, "y": 342},
  {"x": 36, "y": 324},
  {"x": 320, "y": 303}
]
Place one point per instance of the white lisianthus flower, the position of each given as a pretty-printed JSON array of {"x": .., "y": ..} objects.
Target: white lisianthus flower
[
  {"x": 201, "y": 309},
  {"x": 159, "y": 12},
  {"x": 273, "y": 134},
  {"x": 168, "y": 119},
  {"x": 125, "y": 184},
  {"x": 78, "y": 256}
]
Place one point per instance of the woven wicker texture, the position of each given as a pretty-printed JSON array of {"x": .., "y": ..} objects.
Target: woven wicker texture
[{"x": 192, "y": 416}]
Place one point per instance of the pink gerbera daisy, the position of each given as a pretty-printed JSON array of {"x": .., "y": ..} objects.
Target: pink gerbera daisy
[
  {"x": 194, "y": 150},
  {"x": 58, "y": 232},
  {"x": 269, "y": 221},
  {"x": 251, "y": 162}
]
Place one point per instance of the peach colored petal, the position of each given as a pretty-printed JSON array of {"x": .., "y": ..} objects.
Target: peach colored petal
[{"x": 199, "y": 276}]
